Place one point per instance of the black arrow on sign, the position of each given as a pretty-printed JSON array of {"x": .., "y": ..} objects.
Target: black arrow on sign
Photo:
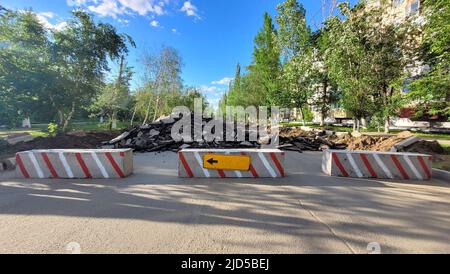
[{"x": 212, "y": 161}]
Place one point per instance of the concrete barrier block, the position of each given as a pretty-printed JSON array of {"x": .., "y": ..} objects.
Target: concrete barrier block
[
  {"x": 75, "y": 163},
  {"x": 383, "y": 165},
  {"x": 231, "y": 163}
]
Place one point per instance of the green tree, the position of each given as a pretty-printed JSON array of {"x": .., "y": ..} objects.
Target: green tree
[
  {"x": 431, "y": 91},
  {"x": 163, "y": 80},
  {"x": 114, "y": 96},
  {"x": 326, "y": 91},
  {"x": 294, "y": 40},
  {"x": 266, "y": 65},
  {"x": 24, "y": 59},
  {"x": 366, "y": 61},
  {"x": 237, "y": 79},
  {"x": 61, "y": 69},
  {"x": 81, "y": 58}
]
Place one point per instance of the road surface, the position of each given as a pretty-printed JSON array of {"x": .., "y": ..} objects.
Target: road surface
[{"x": 156, "y": 212}]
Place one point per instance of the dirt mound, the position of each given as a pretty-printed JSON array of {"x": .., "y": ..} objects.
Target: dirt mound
[
  {"x": 91, "y": 140},
  {"x": 380, "y": 143}
]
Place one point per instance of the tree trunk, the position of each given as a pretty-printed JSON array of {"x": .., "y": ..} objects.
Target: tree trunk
[
  {"x": 134, "y": 114},
  {"x": 156, "y": 109},
  {"x": 114, "y": 120},
  {"x": 147, "y": 113},
  {"x": 303, "y": 116},
  {"x": 386, "y": 124},
  {"x": 68, "y": 118},
  {"x": 325, "y": 102}
]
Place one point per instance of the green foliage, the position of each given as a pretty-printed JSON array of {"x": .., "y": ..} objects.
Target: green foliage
[
  {"x": 432, "y": 89},
  {"x": 266, "y": 64},
  {"x": 62, "y": 69},
  {"x": 52, "y": 129},
  {"x": 366, "y": 60}
]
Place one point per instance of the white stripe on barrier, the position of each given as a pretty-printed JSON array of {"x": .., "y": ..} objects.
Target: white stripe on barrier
[
  {"x": 36, "y": 165},
  {"x": 267, "y": 165},
  {"x": 354, "y": 166},
  {"x": 412, "y": 167},
  {"x": 383, "y": 167},
  {"x": 65, "y": 164},
  {"x": 100, "y": 165},
  {"x": 199, "y": 160}
]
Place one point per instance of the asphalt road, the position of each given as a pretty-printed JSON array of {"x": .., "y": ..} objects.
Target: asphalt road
[{"x": 156, "y": 212}]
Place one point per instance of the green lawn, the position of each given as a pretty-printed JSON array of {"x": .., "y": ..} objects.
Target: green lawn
[{"x": 40, "y": 130}]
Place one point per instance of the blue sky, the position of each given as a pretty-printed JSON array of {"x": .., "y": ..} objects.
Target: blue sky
[{"x": 212, "y": 36}]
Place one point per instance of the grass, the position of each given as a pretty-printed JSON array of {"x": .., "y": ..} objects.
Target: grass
[{"x": 40, "y": 130}]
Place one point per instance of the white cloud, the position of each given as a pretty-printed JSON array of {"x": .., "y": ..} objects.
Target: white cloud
[
  {"x": 44, "y": 17},
  {"x": 154, "y": 23},
  {"x": 224, "y": 81},
  {"x": 115, "y": 8},
  {"x": 190, "y": 9},
  {"x": 211, "y": 89}
]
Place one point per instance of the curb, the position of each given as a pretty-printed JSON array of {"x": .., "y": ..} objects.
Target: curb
[{"x": 441, "y": 175}]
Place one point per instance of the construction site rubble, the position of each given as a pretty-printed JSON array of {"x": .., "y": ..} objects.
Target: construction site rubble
[{"x": 157, "y": 137}]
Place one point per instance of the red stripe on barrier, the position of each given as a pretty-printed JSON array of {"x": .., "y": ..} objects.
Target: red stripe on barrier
[
  {"x": 114, "y": 165},
  {"x": 83, "y": 165},
  {"x": 252, "y": 169},
  {"x": 49, "y": 165},
  {"x": 185, "y": 164},
  {"x": 368, "y": 166},
  {"x": 277, "y": 163},
  {"x": 22, "y": 167},
  {"x": 399, "y": 167},
  {"x": 122, "y": 154},
  {"x": 339, "y": 165},
  {"x": 221, "y": 173},
  {"x": 424, "y": 166}
]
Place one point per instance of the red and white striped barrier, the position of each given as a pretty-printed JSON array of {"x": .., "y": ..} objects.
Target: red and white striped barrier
[
  {"x": 71, "y": 163},
  {"x": 383, "y": 165},
  {"x": 259, "y": 163}
]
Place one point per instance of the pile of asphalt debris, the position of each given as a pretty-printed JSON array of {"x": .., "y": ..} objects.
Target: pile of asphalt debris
[{"x": 156, "y": 137}]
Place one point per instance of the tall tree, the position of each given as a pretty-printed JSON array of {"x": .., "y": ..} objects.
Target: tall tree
[
  {"x": 163, "y": 80},
  {"x": 266, "y": 65},
  {"x": 89, "y": 45},
  {"x": 24, "y": 61},
  {"x": 115, "y": 96},
  {"x": 366, "y": 60},
  {"x": 294, "y": 39},
  {"x": 237, "y": 79},
  {"x": 326, "y": 91},
  {"x": 432, "y": 89}
]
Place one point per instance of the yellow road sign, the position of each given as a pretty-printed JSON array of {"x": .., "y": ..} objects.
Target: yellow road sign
[{"x": 227, "y": 162}]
